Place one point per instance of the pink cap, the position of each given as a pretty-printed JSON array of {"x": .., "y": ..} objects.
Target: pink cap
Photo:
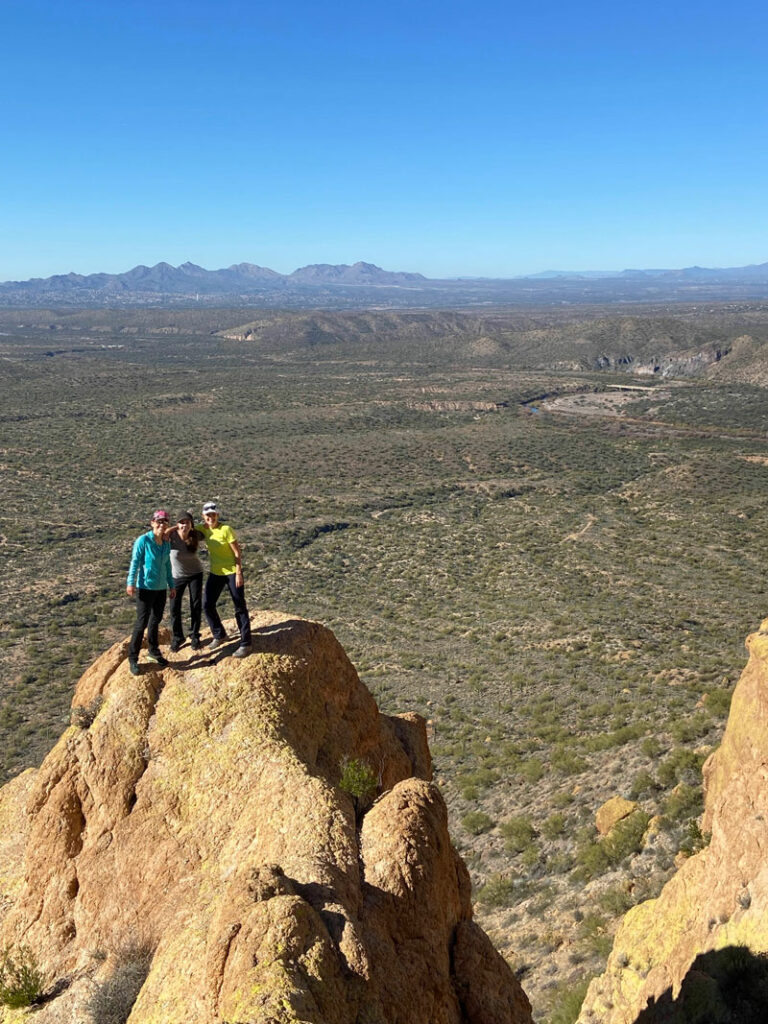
[{"x": 161, "y": 514}]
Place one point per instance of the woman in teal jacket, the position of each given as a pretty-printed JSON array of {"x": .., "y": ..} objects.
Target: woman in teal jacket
[{"x": 149, "y": 576}]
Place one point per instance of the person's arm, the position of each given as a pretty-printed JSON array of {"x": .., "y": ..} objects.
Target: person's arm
[
  {"x": 169, "y": 575},
  {"x": 133, "y": 570},
  {"x": 237, "y": 552}
]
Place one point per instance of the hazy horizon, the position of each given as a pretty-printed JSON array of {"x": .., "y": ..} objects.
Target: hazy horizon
[{"x": 592, "y": 271}]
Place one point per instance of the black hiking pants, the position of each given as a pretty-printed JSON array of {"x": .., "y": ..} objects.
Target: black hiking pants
[
  {"x": 195, "y": 585},
  {"x": 150, "y": 605},
  {"x": 213, "y": 588}
]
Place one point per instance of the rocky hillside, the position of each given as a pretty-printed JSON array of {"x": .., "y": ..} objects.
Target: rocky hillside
[
  {"x": 202, "y": 845},
  {"x": 698, "y": 952}
]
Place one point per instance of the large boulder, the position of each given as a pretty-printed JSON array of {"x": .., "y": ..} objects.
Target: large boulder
[
  {"x": 612, "y": 812},
  {"x": 192, "y": 821}
]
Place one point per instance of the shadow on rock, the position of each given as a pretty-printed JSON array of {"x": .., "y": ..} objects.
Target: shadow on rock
[{"x": 726, "y": 986}]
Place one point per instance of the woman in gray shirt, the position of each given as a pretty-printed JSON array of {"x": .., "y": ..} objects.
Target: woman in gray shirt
[{"x": 187, "y": 571}]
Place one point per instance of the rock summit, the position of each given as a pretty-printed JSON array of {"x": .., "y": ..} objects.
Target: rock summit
[{"x": 193, "y": 821}]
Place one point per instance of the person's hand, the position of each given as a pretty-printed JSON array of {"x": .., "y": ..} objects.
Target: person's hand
[
  {"x": 130, "y": 591},
  {"x": 172, "y": 592},
  {"x": 239, "y": 578}
]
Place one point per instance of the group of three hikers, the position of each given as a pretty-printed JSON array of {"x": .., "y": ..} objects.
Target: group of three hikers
[{"x": 165, "y": 560}]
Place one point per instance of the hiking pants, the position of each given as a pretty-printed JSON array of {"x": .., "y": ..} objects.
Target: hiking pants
[
  {"x": 150, "y": 605},
  {"x": 195, "y": 584},
  {"x": 213, "y": 588}
]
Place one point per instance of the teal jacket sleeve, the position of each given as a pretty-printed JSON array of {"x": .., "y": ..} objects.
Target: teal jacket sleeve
[{"x": 137, "y": 557}]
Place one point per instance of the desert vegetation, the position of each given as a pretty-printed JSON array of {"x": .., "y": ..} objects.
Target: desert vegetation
[{"x": 564, "y": 597}]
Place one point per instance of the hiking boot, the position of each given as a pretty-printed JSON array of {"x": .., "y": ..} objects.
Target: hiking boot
[
  {"x": 195, "y": 644},
  {"x": 176, "y": 645},
  {"x": 157, "y": 658},
  {"x": 242, "y": 651},
  {"x": 134, "y": 667},
  {"x": 218, "y": 641}
]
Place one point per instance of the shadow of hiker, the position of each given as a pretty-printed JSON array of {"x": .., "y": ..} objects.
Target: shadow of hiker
[
  {"x": 202, "y": 657},
  {"x": 724, "y": 986}
]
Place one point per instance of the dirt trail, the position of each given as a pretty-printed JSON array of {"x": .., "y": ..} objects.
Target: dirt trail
[{"x": 591, "y": 520}]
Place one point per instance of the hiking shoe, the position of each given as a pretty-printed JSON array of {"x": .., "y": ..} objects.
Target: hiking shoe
[
  {"x": 134, "y": 667},
  {"x": 195, "y": 644},
  {"x": 157, "y": 658},
  {"x": 218, "y": 641},
  {"x": 242, "y": 651},
  {"x": 176, "y": 645}
]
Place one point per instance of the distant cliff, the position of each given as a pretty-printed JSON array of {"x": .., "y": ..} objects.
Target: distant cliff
[
  {"x": 697, "y": 952},
  {"x": 194, "y": 843}
]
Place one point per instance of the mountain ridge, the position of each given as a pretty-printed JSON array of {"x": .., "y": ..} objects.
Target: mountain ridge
[{"x": 367, "y": 285}]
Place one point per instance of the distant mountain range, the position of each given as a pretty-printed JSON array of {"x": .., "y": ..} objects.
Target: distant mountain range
[
  {"x": 190, "y": 279},
  {"x": 364, "y": 285}
]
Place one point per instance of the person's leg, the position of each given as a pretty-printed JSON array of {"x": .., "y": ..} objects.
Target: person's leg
[
  {"x": 241, "y": 612},
  {"x": 142, "y": 617},
  {"x": 177, "y": 630},
  {"x": 195, "y": 605},
  {"x": 157, "y": 607},
  {"x": 213, "y": 588}
]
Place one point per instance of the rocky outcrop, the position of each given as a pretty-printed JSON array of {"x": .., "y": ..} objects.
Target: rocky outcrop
[
  {"x": 194, "y": 817},
  {"x": 612, "y": 812},
  {"x": 718, "y": 899}
]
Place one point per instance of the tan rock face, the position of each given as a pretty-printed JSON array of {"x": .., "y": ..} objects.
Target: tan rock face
[
  {"x": 719, "y": 898},
  {"x": 612, "y": 812},
  {"x": 199, "y": 817}
]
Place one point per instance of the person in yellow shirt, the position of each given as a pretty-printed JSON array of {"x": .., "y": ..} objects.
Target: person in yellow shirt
[{"x": 226, "y": 570}]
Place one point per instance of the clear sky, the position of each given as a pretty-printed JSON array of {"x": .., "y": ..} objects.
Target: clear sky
[{"x": 451, "y": 138}]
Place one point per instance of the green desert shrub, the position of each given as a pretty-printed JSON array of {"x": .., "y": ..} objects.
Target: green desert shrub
[
  {"x": 21, "y": 981},
  {"x": 477, "y": 822},
  {"x": 567, "y": 1002},
  {"x": 358, "y": 779},
  {"x": 642, "y": 784},
  {"x": 694, "y": 839},
  {"x": 626, "y": 837},
  {"x": 718, "y": 702},
  {"x": 518, "y": 833},
  {"x": 616, "y": 900},
  {"x": 681, "y": 762},
  {"x": 498, "y": 891},
  {"x": 565, "y": 761},
  {"x": 532, "y": 769},
  {"x": 554, "y": 826},
  {"x": 683, "y": 802}
]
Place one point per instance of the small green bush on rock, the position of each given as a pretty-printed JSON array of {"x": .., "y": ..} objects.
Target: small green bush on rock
[
  {"x": 359, "y": 780},
  {"x": 21, "y": 981}
]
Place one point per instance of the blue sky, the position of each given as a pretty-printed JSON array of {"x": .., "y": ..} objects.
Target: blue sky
[{"x": 449, "y": 138}]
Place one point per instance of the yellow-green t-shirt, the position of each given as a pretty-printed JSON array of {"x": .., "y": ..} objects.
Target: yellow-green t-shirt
[{"x": 220, "y": 553}]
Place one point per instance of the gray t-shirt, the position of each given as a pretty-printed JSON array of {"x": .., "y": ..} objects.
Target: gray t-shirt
[{"x": 184, "y": 563}]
